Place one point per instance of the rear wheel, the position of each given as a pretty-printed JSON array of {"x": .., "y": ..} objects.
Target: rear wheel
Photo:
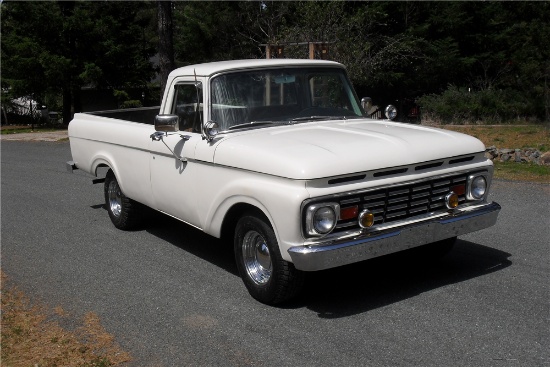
[
  {"x": 268, "y": 277},
  {"x": 124, "y": 212}
]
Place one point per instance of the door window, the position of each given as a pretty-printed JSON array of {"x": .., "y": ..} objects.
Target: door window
[{"x": 188, "y": 106}]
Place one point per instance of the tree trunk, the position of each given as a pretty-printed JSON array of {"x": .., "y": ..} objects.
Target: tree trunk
[
  {"x": 166, "y": 42},
  {"x": 67, "y": 9}
]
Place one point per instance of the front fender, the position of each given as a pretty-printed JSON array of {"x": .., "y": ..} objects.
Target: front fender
[{"x": 278, "y": 198}]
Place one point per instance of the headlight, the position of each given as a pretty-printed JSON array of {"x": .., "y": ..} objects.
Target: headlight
[
  {"x": 477, "y": 187},
  {"x": 321, "y": 218}
]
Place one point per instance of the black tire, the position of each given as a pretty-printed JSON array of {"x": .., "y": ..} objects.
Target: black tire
[
  {"x": 124, "y": 212},
  {"x": 268, "y": 278}
]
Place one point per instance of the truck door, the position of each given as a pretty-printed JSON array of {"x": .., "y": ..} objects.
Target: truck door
[{"x": 175, "y": 177}]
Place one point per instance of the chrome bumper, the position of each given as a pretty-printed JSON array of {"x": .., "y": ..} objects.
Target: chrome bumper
[{"x": 325, "y": 254}]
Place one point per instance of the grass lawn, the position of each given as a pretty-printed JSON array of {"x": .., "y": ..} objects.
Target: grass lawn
[
  {"x": 508, "y": 136},
  {"x": 513, "y": 137}
]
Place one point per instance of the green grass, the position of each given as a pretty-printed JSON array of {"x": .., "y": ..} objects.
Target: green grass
[
  {"x": 513, "y": 137},
  {"x": 522, "y": 172}
]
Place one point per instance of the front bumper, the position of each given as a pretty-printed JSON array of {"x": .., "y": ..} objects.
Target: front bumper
[{"x": 325, "y": 254}]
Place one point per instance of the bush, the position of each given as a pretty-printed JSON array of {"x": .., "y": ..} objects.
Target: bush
[
  {"x": 132, "y": 103},
  {"x": 124, "y": 100},
  {"x": 461, "y": 106}
]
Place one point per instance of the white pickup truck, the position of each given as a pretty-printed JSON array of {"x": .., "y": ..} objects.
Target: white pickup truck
[{"x": 278, "y": 156}]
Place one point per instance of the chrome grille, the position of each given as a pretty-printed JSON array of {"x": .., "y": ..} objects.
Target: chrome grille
[{"x": 406, "y": 201}]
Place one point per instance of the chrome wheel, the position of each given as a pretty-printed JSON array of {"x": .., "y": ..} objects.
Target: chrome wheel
[
  {"x": 267, "y": 277},
  {"x": 115, "y": 199},
  {"x": 124, "y": 212},
  {"x": 256, "y": 257}
]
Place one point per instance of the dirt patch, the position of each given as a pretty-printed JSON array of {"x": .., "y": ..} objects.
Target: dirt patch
[
  {"x": 37, "y": 136},
  {"x": 32, "y": 337}
]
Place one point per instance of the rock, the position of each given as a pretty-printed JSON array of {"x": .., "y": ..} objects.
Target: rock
[
  {"x": 491, "y": 152},
  {"x": 545, "y": 159},
  {"x": 524, "y": 155}
]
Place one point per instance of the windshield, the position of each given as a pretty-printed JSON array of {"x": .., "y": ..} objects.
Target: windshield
[{"x": 288, "y": 95}]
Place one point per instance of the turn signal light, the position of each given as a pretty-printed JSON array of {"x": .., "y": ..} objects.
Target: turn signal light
[
  {"x": 451, "y": 200},
  {"x": 459, "y": 189},
  {"x": 366, "y": 219},
  {"x": 349, "y": 213}
]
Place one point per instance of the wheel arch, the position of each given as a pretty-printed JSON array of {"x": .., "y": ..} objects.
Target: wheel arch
[
  {"x": 102, "y": 162},
  {"x": 235, "y": 212}
]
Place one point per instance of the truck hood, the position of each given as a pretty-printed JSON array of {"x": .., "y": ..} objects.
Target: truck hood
[{"x": 331, "y": 148}]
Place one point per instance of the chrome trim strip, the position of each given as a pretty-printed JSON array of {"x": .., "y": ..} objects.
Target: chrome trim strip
[{"x": 325, "y": 254}]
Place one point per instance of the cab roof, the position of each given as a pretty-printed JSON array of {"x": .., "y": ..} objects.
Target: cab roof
[{"x": 212, "y": 68}]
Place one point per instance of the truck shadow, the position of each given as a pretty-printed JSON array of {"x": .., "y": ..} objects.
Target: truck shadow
[
  {"x": 376, "y": 283},
  {"x": 355, "y": 288},
  {"x": 192, "y": 240}
]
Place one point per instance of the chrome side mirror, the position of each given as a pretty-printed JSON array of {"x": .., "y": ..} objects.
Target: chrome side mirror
[
  {"x": 167, "y": 123},
  {"x": 211, "y": 129}
]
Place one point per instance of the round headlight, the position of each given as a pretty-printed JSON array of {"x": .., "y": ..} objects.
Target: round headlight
[
  {"x": 478, "y": 187},
  {"x": 391, "y": 112},
  {"x": 324, "y": 220}
]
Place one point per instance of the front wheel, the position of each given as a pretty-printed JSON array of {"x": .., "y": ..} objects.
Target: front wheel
[
  {"x": 268, "y": 277},
  {"x": 124, "y": 212}
]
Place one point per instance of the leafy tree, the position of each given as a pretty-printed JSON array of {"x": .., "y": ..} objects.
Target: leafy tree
[
  {"x": 213, "y": 30},
  {"x": 495, "y": 46},
  {"x": 28, "y": 69},
  {"x": 166, "y": 42},
  {"x": 55, "y": 48},
  {"x": 392, "y": 50}
]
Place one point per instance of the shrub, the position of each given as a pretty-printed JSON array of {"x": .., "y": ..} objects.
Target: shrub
[{"x": 462, "y": 106}]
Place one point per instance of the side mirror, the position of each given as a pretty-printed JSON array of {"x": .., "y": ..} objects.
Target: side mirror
[
  {"x": 167, "y": 123},
  {"x": 211, "y": 129}
]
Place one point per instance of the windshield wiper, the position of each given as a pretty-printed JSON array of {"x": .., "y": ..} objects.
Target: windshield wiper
[
  {"x": 312, "y": 118},
  {"x": 253, "y": 124}
]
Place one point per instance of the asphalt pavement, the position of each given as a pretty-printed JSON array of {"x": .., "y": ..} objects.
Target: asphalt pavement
[{"x": 172, "y": 297}]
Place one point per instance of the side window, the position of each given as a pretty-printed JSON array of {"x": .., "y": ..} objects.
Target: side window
[
  {"x": 188, "y": 106},
  {"x": 328, "y": 91}
]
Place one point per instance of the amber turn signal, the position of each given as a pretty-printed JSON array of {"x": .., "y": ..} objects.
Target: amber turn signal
[
  {"x": 451, "y": 200},
  {"x": 366, "y": 219}
]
